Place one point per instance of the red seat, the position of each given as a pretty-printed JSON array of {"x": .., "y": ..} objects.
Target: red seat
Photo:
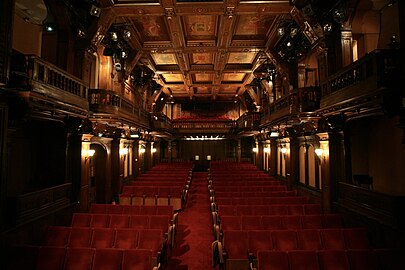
[
  {"x": 57, "y": 236},
  {"x": 80, "y": 237},
  {"x": 78, "y": 258},
  {"x": 96, "y": 208},
  {"x": 148, "y": 210},
  {"x": 284, "y": 240},
  {"x": 137, "y": 260},
  {"x": 139, "y": 222},
  {"x": 303, "y": 260},
  {"x": 100, "y": 221},
  {"x": 291, "y": 222},
  {"x": 235, "y": 244},
  {"x": 103, "y": 238},
  {"x": 81, "y": 220},
  {"x": 119, "y": 221},
  {"x": 309, "y": 239},
  {"x": 272, "y": 222},
  {"x": 272, "y": 260},
  {"x": 332, "y": 239},
  {"x": 107, "y": 259},
  {"x": 251, "y": 223},
  {"x": 311, "y": 221},
  {"x": 312, "y": 209},
  {"x": 259, "y": 240},
  {"x": 151, "y": 239},
  {"x": 131, "y": 209},
  {"x": 362, "y": 259},
  {"x": 295, "y": 209},
  {"x": 278, "y": 209},
  {"x": 126, "y": 238},
  {"x": 231, "y": 223},
  {"x": 115, "y": 209},
  {"x": 227, "y": 210},
  {"x": 161, "y": 222},
  {"x": 164, "y": 210},
  {"x": 333, "y": 260},
  {"x": 261, "y": 210},
  {"x": 51, "y": 258}
]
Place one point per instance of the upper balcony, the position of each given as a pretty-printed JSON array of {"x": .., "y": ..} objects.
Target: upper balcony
[
  {"x": 299, "y": 101},
  {"x": 47, "y": 87},
  {"x": 203, "y": 125},
  {"x": 109, "y": 104},
  {"x": 161, "y": 124},
  {"x": 361, "y": 83},
  {"x": 249, "y": 121}
]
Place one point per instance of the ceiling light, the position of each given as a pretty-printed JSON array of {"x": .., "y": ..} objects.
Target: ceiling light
[
  {"x": 49, "y": 27},
  {"x": 293, "y": 32},
  {"x": 126, "y": 34},
  {"x": 95, "y": 11},
  {"x": 327, "y": 28},
  {"x": 124, "y": 54},
  {"x": 114, "y": 36},
  {"x": 339, "y": 15},
  {"x": 281, "y": 31},
  {"x": 319, "y": 152}
]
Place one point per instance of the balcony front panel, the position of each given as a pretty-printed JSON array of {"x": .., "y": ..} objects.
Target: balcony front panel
[{"x": 364, "y": 79}]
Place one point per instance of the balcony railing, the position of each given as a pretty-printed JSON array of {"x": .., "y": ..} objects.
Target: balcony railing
[
  {"x": 109, "y": 102},
  {"x": 161, "y": 122},
  {"x": 201, "y": 124},
  {"x": 375, "y": 71},
  {"x": 40, "y": 203},
  {"x": 37, "y": 75},
  {"x": 248, "y": 121},
  {"x": 298, "y": 101}
]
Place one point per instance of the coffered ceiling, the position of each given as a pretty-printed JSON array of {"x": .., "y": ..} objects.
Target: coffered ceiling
[{"x": 199, "y": 51}]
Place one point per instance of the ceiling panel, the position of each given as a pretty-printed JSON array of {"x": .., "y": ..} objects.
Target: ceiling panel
[
  {"x": 173, "y": 78},
  {"x": 202, "y": 78},
  {"x": 202, "y": 58},
  {"x": 241, "y": 57},
  {"x": 253, "y": 26},
  {"x": 164, "y": 58},
  {"x": 151, "y": 28},
  {"x": 233, "y": 77}
]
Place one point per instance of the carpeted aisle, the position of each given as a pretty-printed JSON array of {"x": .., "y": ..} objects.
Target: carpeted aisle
[{"x": 194, "y": 232}]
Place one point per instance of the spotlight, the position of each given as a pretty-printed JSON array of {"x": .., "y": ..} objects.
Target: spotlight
[
  {"x": 118, "y": 66},
  {"x": 126, "y": 34},
  {"x": 49, "y": 27},
  {"x": 95, "y": 11},
  {"x": 81, "y": 33},
  {"x": 339, "y": 15},
  {"x": 327, "y": 28},
  {"x": 114, "y": 36},
  {"x": 281, "y": 31},
  {"x": 293, "y": 32},
  {"x": 124, "y": 54}
]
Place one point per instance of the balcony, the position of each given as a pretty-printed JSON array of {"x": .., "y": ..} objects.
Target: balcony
[
  {"x": 109, "y": 104},
  {"x": 203, "y": 125},
  {"x": 161, "y": 123},
  {"x": 249, "y": 121},
  {"x": 362, "y": 82},
  {"x": 299, "y": 101},
  {"x": 47, "y": 87}
]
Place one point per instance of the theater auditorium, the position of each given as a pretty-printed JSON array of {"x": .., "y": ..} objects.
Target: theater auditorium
[{"x": 202, "y": 134}]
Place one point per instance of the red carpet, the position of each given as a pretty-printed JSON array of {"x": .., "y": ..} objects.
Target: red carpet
[{"x": 194, "y": 232}]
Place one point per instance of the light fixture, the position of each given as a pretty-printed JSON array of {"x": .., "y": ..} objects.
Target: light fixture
[
  {"x": 124, "y": 151},
  {"x": 208, "y": 157},
  {"x": 91, "y": 152},
  {"x": 339, "y": 15},
  {"x": 283, "y": 150},
  {"x": 142, "y": 150},
  {"x": 114, "y": 36},
  {"x": 95, "y": 11},
  {"x": 49, "y": 27},
  {"x": 134, "y": 134},
  {"x": 266, "y": 149},
  {"x": 319, "y": 152},
  {"x": 153, "y": 150},
  {"x": 124, "y": 54},
  {"x": 274, "y": 134},
  {"x": 280, "y": 31},
  {"x": 255, "y": 150},
  {"x": 126, "y": 34}
]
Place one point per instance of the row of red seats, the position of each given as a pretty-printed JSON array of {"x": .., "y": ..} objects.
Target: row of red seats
[
  {"x": 224, "y": 194},
  {"x": 245, "y": 182},
  {"x": 163, "y": 222},
  {"x": 219, "y": 188},
  {"x": 151, "y": 190},
  {"x": 361, "y": 259},
  {"x": 266, "y": 210},
  {"x": 239, "y": 245},
  {"x": 96, "y": 208},
  {"x": 276, "y": 222},
  {"x": 152, "y": 239},
  {"x": 262, "y": 200},
  {"x": 61, "y": 258}
]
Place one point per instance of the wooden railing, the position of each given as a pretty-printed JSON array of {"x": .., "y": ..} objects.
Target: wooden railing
[
  {"x": 161, "y": 122},
  {"x": 40, "y": 203},
  {"x": 298, "y": 101},
  {"x": 37, "y": 75},
  {"x": 109, "y": 102},
  {"x": 204, "y": 124},
  {"x": 364, "y": 77},
  {"x": 248, "y": 121}
]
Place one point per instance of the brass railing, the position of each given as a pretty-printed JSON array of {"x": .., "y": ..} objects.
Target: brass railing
[{"x": 203, "y": 124}]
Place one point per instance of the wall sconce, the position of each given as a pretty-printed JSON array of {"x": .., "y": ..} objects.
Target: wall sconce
[
  {"x": 91, "y": 152},
  {"x": 266, "y": 149},
  {"x": 88, "y": 154},
  {"x": 142, "y": 150},
  {"x": 153, "y": 150},
  {"x": 197, "y": 157},
  {"x": 283, "y": 150},
  {"x": 124, "y": 151},
  {"x": 208, "y": 157},
  {"x": 255, "y": 150},
  {"x": 319, "y": 152}
]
